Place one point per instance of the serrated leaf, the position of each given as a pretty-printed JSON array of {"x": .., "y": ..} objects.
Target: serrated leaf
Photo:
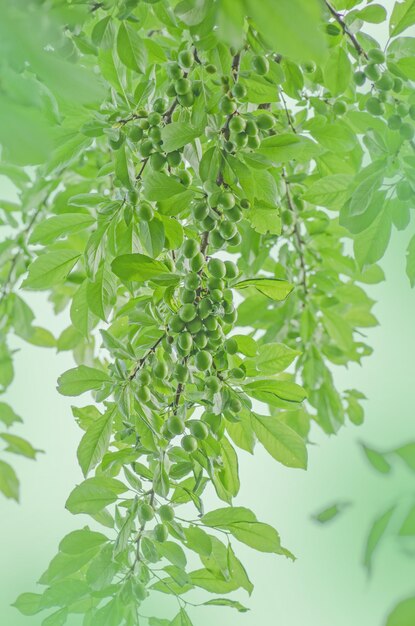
[
  {"x": 178, "y": 134},
  {"x": 95, "y": 441},
  {"x": 81, "y": 379},
  {"x": 402, "y": 17},
  {"x": 51, "y": 229},
  {"x": 94, "y": 494},
  {"x": 131, "y": 49},
  {"x": 138, "y": 267},
  {"x": 50, "y": 269},
  {"x": 273, "y": 288},
  {"x": 282, "y": 443}
]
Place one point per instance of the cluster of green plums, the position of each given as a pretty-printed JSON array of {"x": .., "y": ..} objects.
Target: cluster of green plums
[
  {"x": 386, "y": 87},
  {"x": 218, "y": 214},
  {"x": 182, "y": 87},
  {"x": 165, "y": 514}
]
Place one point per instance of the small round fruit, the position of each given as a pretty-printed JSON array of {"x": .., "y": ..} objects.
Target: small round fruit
[
  {"x": 176, "y": 324},
  {"x": 339, "y": 107},
  {"x": 160, "y": 370},
  {"x": 157, "y": 161},
  {"x": 200, "y": 211},
  {"x": 187, "y": 99},
  {"x": 231, "y": 269},
  {"x": 188, "y": 296},
  {"x": 143, "y": 377},
  {"x": 210, "y": 68},
  {"x": 174, "y": 70},
  {"x": 385, "y": 82},
  {"x": 402, "y": 109},
  {"x": 217, "y": 268},
  {"x": 260, "y": 65},
  {"x": 185, "y": 341},
  {"x": 175, "y": 425},
  {"x": 372, "y": 72},
  {"x": 185, "y": 177},
  {"x": 412, "y": 112},
  {"x": 145, "y": 212},
  {"x": 182, "y": 86},
  {"x": 192, "y": 281},
  {"x": 174, "y": 158},
  {"x": 216, "y": 295},
  {"x": 374, "y": 106},
  {"x": 235, "y": 405},
  {"x": 146, "y": 512},
  {"x": 186, "y": 59},
  {"x": 230, "y": 318},
  {"x": 404, "y": 190},
  {"x": 397, "y": 85},
  {"x": 237, "y": 124},
  {"x": 181, "y": 373},
  {"x": 226, "y": 200},
  {"x": 227, "y": 106},
  {"x": 254, "y": 142},
  {"x": 190, "y": 248},
  {"x": 154, "y": 118},
  {"x": 197, "y": 262},
  {"x": 231, "y": 346},
  {"x": 199, "y": 430},
  {"x": 359, "y": 78},
  {"x": 241, "y": 140},
  {"x": 236, "y": 240},
  {"x": 166, "y": 513},
  {"x": 407, "y": 131},
  {"x": 394, "y": 122},
  {"x": 205, "y": 308},
  {"x": 201, "y": 339},
  {"x": 376, "y": 55},
  {"x": 146, "y": 148},
  {"x": 189, "y": 443},
  {"x": 160, "y": 533},
  {"x": 159, "y": 105},
  {"x": 235, "y": 214},
  {"x": 251, "y": 128},
  {"x": 237, "y": 373},
  {"x": 216, "y": 240},
  {"x": 227, "y": 229},
  {"x": 187, "y": 312},
  {"x": 136, "y": 133},
  {"x": 208, "y": 223},
  {"x": 239, "y": 91},
  {"x": 203, "y": 360},
  {"x": 265, "y": 121},
  {"x": 309, "y": 67},
  {"x": 215, "y": 283},
  {"x": 212, "y": 383},
  {"x": 143, "y": 393}
]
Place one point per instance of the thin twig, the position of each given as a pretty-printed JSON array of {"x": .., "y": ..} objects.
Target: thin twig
[
  {"x": 141, "y": 362},
  {"x": 339, "y": 19}
]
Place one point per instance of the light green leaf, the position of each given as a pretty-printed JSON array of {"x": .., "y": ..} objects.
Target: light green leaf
[
  {"x": 28, "y": 603},
  {"x": 159, "y": 186},
  {"x": 50, "y": 269},
  {"x": 48, "y": 231},
  {"x": 272, "y": 358},
  {"x": 377, "y": 460},
  {"x": 375, "y": 14},
  {"x": 282, "y": 443},
  {"x": 81, "y": 379},
  {"x": 95, "y": 441},
  {"x": 178, "y": 134},
  {"x": 138, "y": 268},
  {"x": 7, "y": 415},
  {"x": 329, "y": 513},
  {"x": 233, "y": 604},
  {"x": 56, "y": 619},
  {"x": 286, "y": 147},
  {"x": 410, "y": 261},
  {"x": 94, "y": 494},
  {"x": 268, "y": 389},
  {"x": 376, "y": 534},
  {"x": 274, "y": 288},
  {"x": 9, "y": 484},
  {"x": 370, "y": 245},
  {"x": 403, "y": 16},
  {"x": 403, "y": 614},
  {"x": 80, "y": 541},
  {"x": 131, "y": 48},
  {"x": 329, "y": 191},
  {"x": 337, "y": 71},
  {"x": 19, "y": 446}
]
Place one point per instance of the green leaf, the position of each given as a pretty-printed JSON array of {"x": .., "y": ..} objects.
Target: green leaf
[
  {"x": 28, "y": 603},
  {"x": 9, "y": 484},
  {"x": 286, "y": 147},
  {"x": 138, "y": 268},
  {"x": 407, "y": 528},
  {"x": 370, "y": 245},
  {"x": 233, "y": 604},
  {"x": 329, "y": 191},
  {"x": 20, "y": 446},
  {"x": 329, "y": 513},
  {"x": 268, "y": 389},
  {"x": 51, "y": 229},
  {"x": 377, "y": 532},
  {"x": 131, "y": 48},
  {"x": 50, "y": 269},
  {"x": 95, "y": 441},
  {"x": 403, "y": 614},
  {"x": 337, "y": 71},
  {"x": 282, "y": 443},
  {"x": 159, "y": 186},
  {"x": 56, "y": 619},
  {"x": 94, "y": 494},
  {"x": 182, "y": 619},
  {"x": 259, "y": 536},
  {"x": 81, "y": 379},
  {"x": 407, "y": 454},
  {"x": 403, "y": 16},
  {"x": 274, "y": 288},
  {"x": 377, "y": 460},
  {"x": 7, "y": 415},
  {"x": 272, "y": 358},
  {"x": 80, "y": 541},
  {"x": 228, "y": 515},
  {"x": 375, "y": 14},
  {"x": 410, "y": 261},
  {"x": 178, "y": 134}
]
